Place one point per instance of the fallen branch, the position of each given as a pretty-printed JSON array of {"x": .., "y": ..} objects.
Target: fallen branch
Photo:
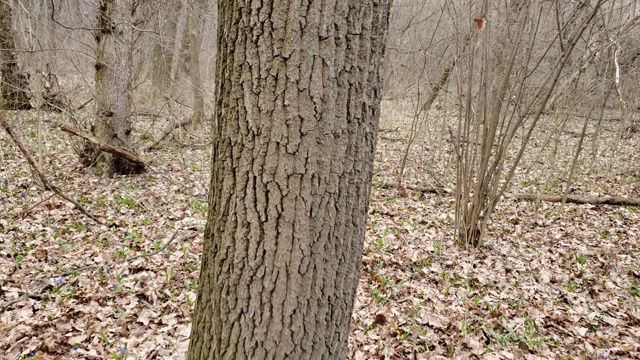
[
  {"x": 123, "y": 153},
  {"x": 420, "y": 189},
  {"x": 574, "y": 199},
  {"x": 47, "y": 184},
  {"x": 84, "y": 104},
  {"x": 167, "y": 130}
]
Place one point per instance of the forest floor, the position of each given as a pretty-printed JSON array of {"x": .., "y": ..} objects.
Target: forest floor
[{"x": 549, "y": 281}]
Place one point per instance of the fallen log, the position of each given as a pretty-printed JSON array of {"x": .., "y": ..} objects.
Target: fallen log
[
  {"x": 167, "y": 130},
  {"x": 575, "y": 199},
  {"x": 420, "y": 189},
  {"x": 123, "y": 153}
]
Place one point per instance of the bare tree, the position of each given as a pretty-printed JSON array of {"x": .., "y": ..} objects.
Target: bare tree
[
  {"x": 195, "y": 22},
  {"x": 505, "y": 93},
  {"x": 297, "y": 110},
  {"x": 113, "y": 85}
]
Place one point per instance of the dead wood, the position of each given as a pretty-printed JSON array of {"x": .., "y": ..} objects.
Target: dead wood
[
  {"x": 420, "y": 189},
  {"x": 123, "y": 153},
  {"x": 574, "y": 199},
  {"x": 167, "y": 130},
  {"x": 84, "y": 104},
  {"x": 47, "y": 184}
]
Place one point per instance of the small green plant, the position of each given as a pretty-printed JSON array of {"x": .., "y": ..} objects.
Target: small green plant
[
  {"x": 368, "y": 328},
  {"x": 477, "y": 298},
  {"x": 79, "y": 226},
  {"x": 634, "y": 290},
  {"x": 581, "y": 259},
  {"x": 123, "y": 201},
  {"x": 518, "y": 304},
  {"x": 530, "y": 327},
  {"x": 378, "y": 297},
  {"x": 403, "y": 334},
  {"x": 383, "y": 279},
  {"x": 605, "y": 234},
  {"x": 494, "y": 309},
  {"x": 199, "y": 206},
  {"x": 101, "y": 201},
  {"x": 572, "y": 286},
  {"x": 552, "y": 186},
  {"x": 437, "y": 247},
  {"x": 189, "y": 301},
  {"x": 21, "y": 250},
  {"x": 121, "y": 353},
  {"x": 134, "y": 235},
  {"x": 83, "y": 200},
  {"x": 192, "y": 285},
  {"x": 169, "y": 274},
  {"x": 465, "y": 327},
  {"x": 105, "y": 340},
  {"x": 122, "y": 251}
]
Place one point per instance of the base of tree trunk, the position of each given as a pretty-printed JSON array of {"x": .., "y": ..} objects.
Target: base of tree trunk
[
  {"x": 14, "y": 87},
  {"x": 125, "y": 162}
]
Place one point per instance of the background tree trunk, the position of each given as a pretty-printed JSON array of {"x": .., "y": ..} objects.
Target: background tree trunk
[
  {"x": 14, "y": 82},
  {"x": 113, "y": 84},
  {"x": 195, "y": 22},
  {"x": 297, "y": 109}
]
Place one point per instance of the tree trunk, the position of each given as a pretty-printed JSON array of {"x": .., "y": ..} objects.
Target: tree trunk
[
  {"x": 14, "y": 83},
  {"x": 195, "y": 40},
  {"x": 162, "y": 52},
  {"x": 179, "y": 48},
  {"x": 297, "y": 107},
  {"x": 113, "y": 85}
]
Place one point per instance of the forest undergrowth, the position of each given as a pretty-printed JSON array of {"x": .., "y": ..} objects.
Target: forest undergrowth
[{"x": 549, "y": 281}]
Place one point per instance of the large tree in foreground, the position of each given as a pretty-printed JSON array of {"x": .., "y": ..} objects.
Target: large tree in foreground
[{"x": 297, "y": 106}]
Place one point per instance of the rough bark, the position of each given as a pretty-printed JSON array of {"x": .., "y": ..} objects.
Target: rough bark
[
  {"x": 297, "y": 106},
  {"x": 113, "y": 85},
  {"x": 14, "y": 83}
]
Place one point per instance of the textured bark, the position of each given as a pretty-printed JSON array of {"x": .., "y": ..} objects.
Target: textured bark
[
  {"x": 113, "y": 85},
  {"x": 298, "y": 91},
  {"x": 14, "y": 83}
]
